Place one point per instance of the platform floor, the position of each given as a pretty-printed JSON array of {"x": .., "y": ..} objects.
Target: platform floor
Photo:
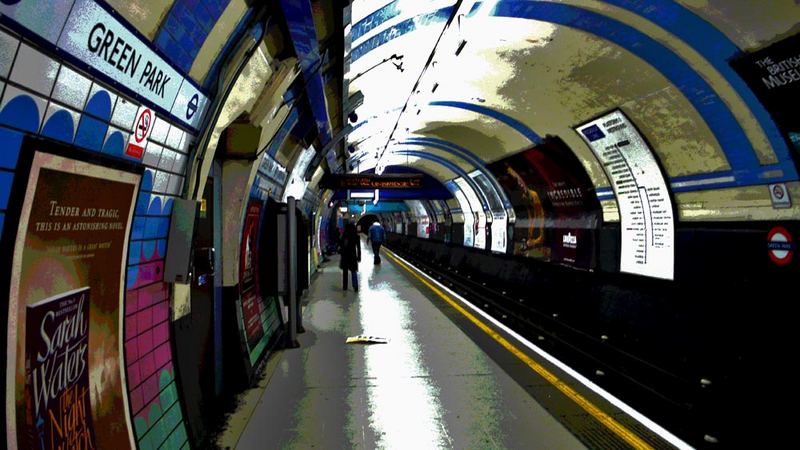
[{"x": 440, "y": 381}]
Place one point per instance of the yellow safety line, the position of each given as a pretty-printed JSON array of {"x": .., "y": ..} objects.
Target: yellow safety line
[{"x": 620, "y": 430}]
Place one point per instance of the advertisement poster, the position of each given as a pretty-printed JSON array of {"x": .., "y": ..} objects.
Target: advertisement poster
[
  {"x": 773, "y": 73},
  {"x": 58, "y": 411},
  {"x": 557, "y": 212},
  {"x": 645, "y": 205},
  {"x": 252, "y": 304},
  {"x": 68, "y": 274}
]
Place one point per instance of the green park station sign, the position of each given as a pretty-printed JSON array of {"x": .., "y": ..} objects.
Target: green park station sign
[{"x": 89, "y": 33}]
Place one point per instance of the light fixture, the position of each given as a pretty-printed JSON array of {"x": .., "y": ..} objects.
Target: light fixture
[
  {"x": 362, "y": 195},
  {"x": 461, "y": 46}
]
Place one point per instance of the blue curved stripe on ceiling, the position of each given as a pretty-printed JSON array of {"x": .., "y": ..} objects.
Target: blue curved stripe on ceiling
[
  {"x": 300, "y": 21},
  {"x": 466, "y": 155},
  {"x": 737, "y": 147},
  {"x": 448, "y": 147},
  {"x": 304, "y": 124},
  {"x": 453, "y": 168},
  {"x": 398, "y": 30},
  {"x": 716, "y": 114},
  {"x": 186, "y": 27},
  {"x": 604, "y": 196},
  {"x": 241, "y": 28},
  {"x": 716, "y": 48},
  {"x": 374, "y": 20},
  {"x": 283, "y": 132},
  {"x": 506, "y": 119}
]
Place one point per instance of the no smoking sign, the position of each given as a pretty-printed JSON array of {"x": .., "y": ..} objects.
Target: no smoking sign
[
  {"x": 779, "y": 195},
  {"x": 142, "y": 127}
]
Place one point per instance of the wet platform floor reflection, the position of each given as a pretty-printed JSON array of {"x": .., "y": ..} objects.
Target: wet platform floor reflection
[{"x": 430, "y": 386}]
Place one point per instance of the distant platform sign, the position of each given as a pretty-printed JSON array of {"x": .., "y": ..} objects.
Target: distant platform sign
[
  {"x": 646, "y": 212},
  {"x": 780, "y": 246},
  {"x": 370, "y": 181}
]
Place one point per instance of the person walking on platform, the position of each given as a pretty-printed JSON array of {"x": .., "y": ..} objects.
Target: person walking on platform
[
  {"x": 350, "y": 252},
  {"x": 376, "y": 236}
]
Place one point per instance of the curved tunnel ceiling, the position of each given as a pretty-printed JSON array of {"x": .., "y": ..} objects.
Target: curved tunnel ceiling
[
  {"x": 527, "y": 69},
  {"x": 166, "y": 22}
]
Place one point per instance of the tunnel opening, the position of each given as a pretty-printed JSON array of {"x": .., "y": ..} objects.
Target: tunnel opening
[{"x": 365, "y": 222}]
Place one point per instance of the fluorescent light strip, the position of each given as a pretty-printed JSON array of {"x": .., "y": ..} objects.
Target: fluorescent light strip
[
  {"x": 702, "y": 182},
  {"x": 369, "y": 195},
  {"x": 654, "y": 427}
]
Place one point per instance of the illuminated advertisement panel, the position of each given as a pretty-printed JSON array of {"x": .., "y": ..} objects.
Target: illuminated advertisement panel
[
  {"x": 475, "y": 205},
  {"x": 557, "y": 212},
  {"x": 252, "y": 304},
  {"x": 645, "y": 205},
  {"x": 65, "y": 387},
  {"x": 421, "y": 217},
  {"x": 466, "y": 213},
  {"x": 499, "y": 216}
]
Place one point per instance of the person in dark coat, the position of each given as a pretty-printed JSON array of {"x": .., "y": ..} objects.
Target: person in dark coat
[{"x": 350, "y": 246}]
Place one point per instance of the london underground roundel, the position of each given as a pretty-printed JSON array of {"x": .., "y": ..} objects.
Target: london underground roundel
[{"x": 780, "y": 246}]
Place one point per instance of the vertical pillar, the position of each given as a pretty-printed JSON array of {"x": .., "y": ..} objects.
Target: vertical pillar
[{"x": 294, "y": 309}]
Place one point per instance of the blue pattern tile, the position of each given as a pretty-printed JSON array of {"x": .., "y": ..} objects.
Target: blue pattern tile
[
  {"x": 133, "y": 273},
  {"x": 155, "y": 207},
  {"x": 6, "y": 178},
  {"x": 10, "y": 143},
  {"x": 168, "y": 207},
  {"x": 138, "y": 228},
  {"x": 148, "y": 249},
  {"x": 142, "y": 202},
  {"x": 99, "y": 105},
  {"x": 135, "y": 252},
  {"x": 21, "y": 112},
  {"x": 115, "y": 144},
  {"x": 163, "y": 227},
  {"x": 147, "y": 183},
  {"x": 161, "y": 245},
  {"x": 151, "y": 228},
  {"x": 60, "y": 127},
  {"x": 91, "y": 133}
]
